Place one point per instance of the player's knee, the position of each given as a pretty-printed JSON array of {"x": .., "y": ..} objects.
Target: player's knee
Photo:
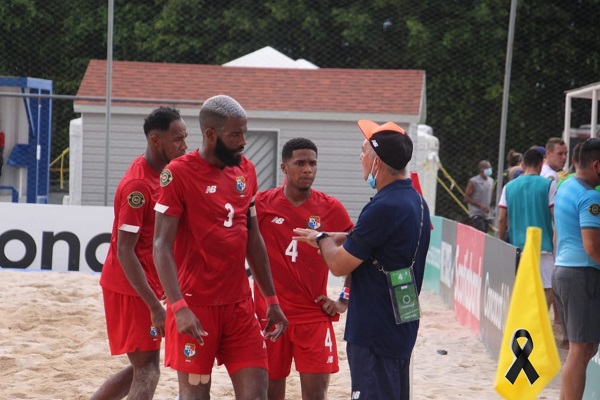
[{"x": 148, "y": 373}]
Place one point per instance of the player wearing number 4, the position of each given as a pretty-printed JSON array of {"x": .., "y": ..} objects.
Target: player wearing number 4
[
  {"x": 299, "y": 273},
  {"x": 205, "y": 228}
]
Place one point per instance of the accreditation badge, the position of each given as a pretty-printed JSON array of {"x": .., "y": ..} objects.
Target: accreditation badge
[{"x": 403, "y": 293}]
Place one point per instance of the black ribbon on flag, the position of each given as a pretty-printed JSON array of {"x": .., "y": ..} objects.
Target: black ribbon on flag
[{"x": 522, "y": 358}]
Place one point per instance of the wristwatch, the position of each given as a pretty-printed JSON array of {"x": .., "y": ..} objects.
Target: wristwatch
[{"x": 321, "y": 235}]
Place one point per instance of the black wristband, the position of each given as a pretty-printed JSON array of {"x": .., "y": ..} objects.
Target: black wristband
[{"x": 320, "y": 236}]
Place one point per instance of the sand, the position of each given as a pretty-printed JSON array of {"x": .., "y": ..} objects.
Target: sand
[{"x": 53, "y": 346}]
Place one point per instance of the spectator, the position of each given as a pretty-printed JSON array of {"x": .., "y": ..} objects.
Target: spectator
[
  {"x": 478, "y": 196},
  {"x": 525, "y": 202},
  {"x": 513, "y": 159},
  {"x": 556, "y": 158}
]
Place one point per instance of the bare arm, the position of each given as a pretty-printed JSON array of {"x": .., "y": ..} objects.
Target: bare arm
[
  {"x": 258, "y": 260},
  {"x": 165, "y": 231},
  {"x": 339, "y": 261},
  {"x": 337, "y": 306},
  {"x": 591, "y": 238},
  {"x": 469, "y": 199},
  {"x": 134, "y": 272},
  {"x": 502, "y": 223}
]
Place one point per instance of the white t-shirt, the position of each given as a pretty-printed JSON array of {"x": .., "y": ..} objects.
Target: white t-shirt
[{"x": 548, "y": 172}]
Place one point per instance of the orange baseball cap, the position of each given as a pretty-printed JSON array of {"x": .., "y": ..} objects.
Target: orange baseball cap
[{"x": 389, "y": 141}]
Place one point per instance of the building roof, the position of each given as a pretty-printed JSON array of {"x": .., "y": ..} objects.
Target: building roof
[{"x": 265, "y": 89}]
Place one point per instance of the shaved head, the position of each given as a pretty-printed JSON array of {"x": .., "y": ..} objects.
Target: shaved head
[{"x": 218, "y": 109}]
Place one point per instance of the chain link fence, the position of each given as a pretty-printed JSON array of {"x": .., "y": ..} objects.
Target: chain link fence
[{"x": 460, "y": 44}]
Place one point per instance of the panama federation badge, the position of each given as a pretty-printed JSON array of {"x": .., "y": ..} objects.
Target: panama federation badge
[
  {"x": 240, "y": 184},
  {"x": 189, "y": 350},
  {"x": 135, "y": 199},
  {"x": 314, "y": 222},
  {"x": 153, "y": 332},
  {"x": 165, "y": 177}
]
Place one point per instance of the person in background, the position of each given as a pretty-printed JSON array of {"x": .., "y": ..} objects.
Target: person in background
[
  {"x": 513, "y": 159},
  {"x": 556, "y": 158},
  {"x": 300, "y": 274},
  {"x": 385, "y": 255},
  {"x": 576, "y": 277},
  {"x": 135, "y": 317},
  {"x": 529, "y": 201},
  {"x": 206, "y": 227},
  {"x": 478, "y": 196}
]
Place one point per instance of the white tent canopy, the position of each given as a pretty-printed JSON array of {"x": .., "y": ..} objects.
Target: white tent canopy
[{"x": 590, "y": 92}]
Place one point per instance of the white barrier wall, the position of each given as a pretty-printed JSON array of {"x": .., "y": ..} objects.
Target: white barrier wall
[{"x": 54, "y": 237}]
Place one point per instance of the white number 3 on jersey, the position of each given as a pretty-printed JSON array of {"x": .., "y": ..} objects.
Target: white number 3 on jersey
[{"x": 228, "y": 223}]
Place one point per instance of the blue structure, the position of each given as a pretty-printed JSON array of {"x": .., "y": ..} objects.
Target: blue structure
[{"x": 34, "y": 155}]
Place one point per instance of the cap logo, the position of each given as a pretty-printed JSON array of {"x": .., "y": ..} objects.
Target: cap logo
[{"x": 374, "y": 143}]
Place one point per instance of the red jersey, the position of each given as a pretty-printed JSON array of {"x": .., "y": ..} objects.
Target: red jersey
[
  {"x": 299, "y": 273},
  {"x": 134, "y": 212},
  {"x": 212, "y": 205}
]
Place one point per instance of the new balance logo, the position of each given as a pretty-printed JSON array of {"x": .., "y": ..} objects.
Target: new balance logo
[
  {"x": 211, "y": 189},
  {"x": 278, "y": 220},
  {"x": 330, "y": 360},
  {"x": 355, "y": 395}
]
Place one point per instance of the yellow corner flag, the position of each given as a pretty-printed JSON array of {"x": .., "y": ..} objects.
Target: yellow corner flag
[{"x": 528, "y": 354}]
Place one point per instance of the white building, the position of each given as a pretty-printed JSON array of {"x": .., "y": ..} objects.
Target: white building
[{"x": 320, "y": 104}]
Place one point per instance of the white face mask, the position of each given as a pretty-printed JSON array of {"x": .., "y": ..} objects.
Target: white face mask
[{"x": 488, "y": 171}]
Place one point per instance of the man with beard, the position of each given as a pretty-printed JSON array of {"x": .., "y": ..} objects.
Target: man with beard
[
  {"x": 206, "y": 227},
  {"x": 300, "y": 274}
]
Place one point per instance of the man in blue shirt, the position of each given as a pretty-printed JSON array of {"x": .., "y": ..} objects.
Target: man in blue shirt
[
  {"x": 392, "y": 233},
  {"x": 576, "y": 278}
]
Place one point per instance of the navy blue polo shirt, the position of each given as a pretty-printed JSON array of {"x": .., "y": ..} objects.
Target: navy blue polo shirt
[{"x": 387, "y": 230}]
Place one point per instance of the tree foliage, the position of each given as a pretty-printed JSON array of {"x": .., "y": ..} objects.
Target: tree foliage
[{"x": 461, "y": 44}]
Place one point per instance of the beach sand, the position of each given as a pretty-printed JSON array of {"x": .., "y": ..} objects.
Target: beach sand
[{"x": 53, "y": 346}]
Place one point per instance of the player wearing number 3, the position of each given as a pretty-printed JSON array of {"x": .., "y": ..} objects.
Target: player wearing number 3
[
  {"x": 205, "y": 228},
  {"x": 299, "y": 273}
]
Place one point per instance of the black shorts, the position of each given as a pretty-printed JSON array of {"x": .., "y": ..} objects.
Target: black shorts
[
  {"x": 375, "y": 377},
  {"x": 577, "y": 296},
  {"x": 478, "y": 222}
]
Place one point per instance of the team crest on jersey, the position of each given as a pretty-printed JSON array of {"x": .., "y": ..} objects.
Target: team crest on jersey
[
  {"x": 135, "y": 199},
  {"x": 314, "y": 222},
  {"x": 595, "y": 209},
  {"x": 153, "y": 331},
  {"x": 189, "y": 350},
  {"x": 165, "y": 177},
  {"x": 240, "y": 184}
]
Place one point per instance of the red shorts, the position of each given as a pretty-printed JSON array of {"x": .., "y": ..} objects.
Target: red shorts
[
  {"x": 312, "y": 346},
  {"x": 234, "y": 339},
  {"x": 128, "y": 324}
]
